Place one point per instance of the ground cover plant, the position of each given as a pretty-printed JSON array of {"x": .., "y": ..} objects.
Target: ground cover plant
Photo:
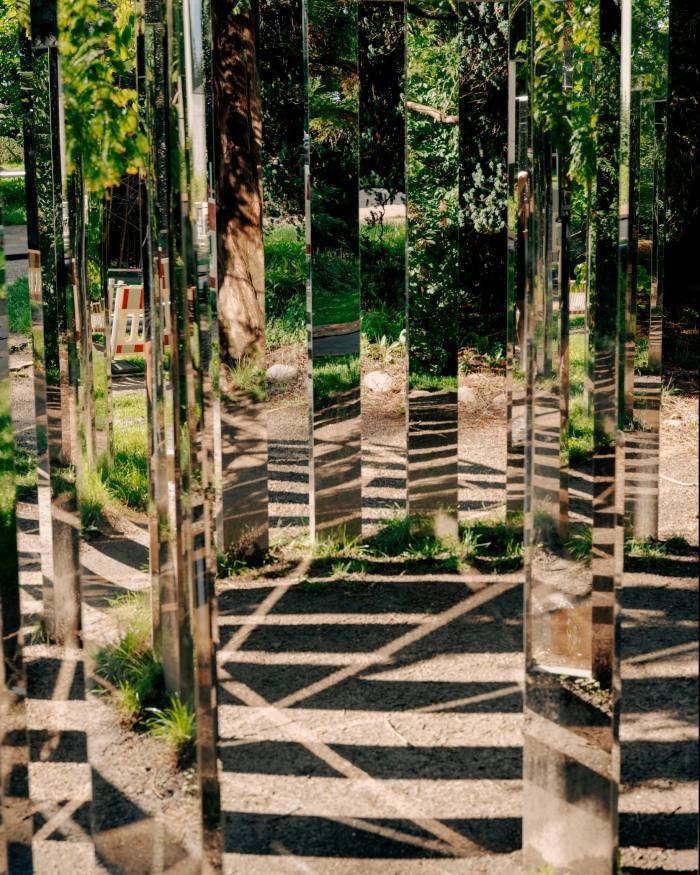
[{"x": 132, "y": 674}]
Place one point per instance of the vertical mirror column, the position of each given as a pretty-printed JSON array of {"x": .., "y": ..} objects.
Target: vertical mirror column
[
  {"x": 483, "y": 252},
  {"x": 573, "y": 466},
  {"x": 333, "y": 280},
  {"x": 643, "y": 365},
  {"x": 61, "y": 595},
  {"x": 432, "y": 265},
  {"x": 241, "y": 281},
  {"x": 519, "y": 184},
  {"x": 15, "y": 809},
  {"x": 188, "y": 177}
]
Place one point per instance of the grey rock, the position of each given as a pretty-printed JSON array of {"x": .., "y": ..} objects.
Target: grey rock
[
  {"x": 467, "y": 397},
  {"x": 281, "y": 373},
  {"x": 378, "y": 381}
]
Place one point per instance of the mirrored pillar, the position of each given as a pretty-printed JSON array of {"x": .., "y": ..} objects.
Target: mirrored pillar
[
  {"x": 643, "y": 364},
  {"x": 241, "y": 281},
  {"x": 15, "y": 813},
  {"x": 54, "y": 319},
  {"x": 573, "y": 522},
  {"x": 432, "y": 265},
  {"x": 333, "y": 282}
]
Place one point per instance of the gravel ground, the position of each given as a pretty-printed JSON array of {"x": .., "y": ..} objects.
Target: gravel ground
[{"x": 394, "y": 743}]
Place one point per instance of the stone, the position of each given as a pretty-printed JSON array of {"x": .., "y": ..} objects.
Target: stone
[
  {"x": 500, "y": 400},
  {"x": 467, "y": 397},
  {"x": 378, "y": 381},
  {"x": 281, "y": 373},
  {"x": 674, "y": 423}
]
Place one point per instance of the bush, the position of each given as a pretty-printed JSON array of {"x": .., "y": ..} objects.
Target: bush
[{"x": 14, "y": 207}]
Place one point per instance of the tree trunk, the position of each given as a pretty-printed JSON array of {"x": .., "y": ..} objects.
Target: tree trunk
[{"x": 241, "y": 293}]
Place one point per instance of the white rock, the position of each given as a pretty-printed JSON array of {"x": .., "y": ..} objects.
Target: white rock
[
  {"x": 500, "y": 400},
  {"x": 378, "y": 381},
  {"x": 674, "y": 423},
  {"x": 467, "y": 397},
  {"x": 281, "y": 373}
]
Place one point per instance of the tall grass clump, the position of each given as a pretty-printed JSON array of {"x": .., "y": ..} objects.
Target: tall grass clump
[
  {"x": 127, "y": 476},
  {"x": 18, "y": 311}
]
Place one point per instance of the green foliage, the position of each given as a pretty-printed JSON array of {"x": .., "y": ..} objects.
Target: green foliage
[
  {"x": 14, "y": 14},
  {"x": 382, "y": 277},
  {"x": 127, "y": 477},
  {"x": 176, "y": 725},
  {"x": 493, "y": 546},
  {"x": 567, "y": 114},
  {"x": 25, "y": 472},
  {"x": 18, "y": 307},
  {"x": 580, "y": 543},
  {"x": 334, "y": 375},
  {"x": 14, "y": 206},
  {"x": 98, "y": 49},
  {"x": 245, "y": 379},
  {"x": 578, "y": 442}
]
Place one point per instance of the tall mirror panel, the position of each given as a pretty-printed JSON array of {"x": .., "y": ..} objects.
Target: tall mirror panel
[
  {"x": 15, "y": 813},
  {"x": 241, "y": 281},
  {"x": 576, "y": 229},
  {"x": 333, "y": 279},
  {"x": 483, "y": 254},
  {"x": 383, "y": 259},
  {"x": 281, "y": 75},
  {"x": 432, "y": 265},
  {"x": 647, "y": 196}
]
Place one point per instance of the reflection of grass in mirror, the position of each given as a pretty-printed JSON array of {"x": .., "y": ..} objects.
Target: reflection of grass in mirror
[
  {"x": 577, "y": 364},
  {"x": 384, "y": 350},
  {"x": 245, "y": 378},
  {"x": 18, "y": 307},
  {"x": 94, "y": 498},
  {"x": 383, "y": 323},
  {"x": 641, "y": 354},
  {"x": 333, "y": 375},
  {"x": 336, "y": 289},
  {"x": 432, "y": 383},
  {"x": 127, "y": 477},
  {"x": 285, "y": 286},
  {"x": 579, "y": 546},
  {"x": 25, "y": 472},
  {"x": 578, "y": 441},
  {"x": 492, "y": 545}
]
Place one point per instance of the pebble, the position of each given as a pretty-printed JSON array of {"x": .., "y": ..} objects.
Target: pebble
[
  {"x": 281, "y": 373},
  {"x": 378, "y": 381},
  {"x": 467, "y": 397}
]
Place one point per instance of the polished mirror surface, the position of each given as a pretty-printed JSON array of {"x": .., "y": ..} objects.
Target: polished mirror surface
[
  {"x": 643, "y": 377},
  {"x": 574, "y": 462},
  {"x": 243, "y": 525},
  {"x": 432, "y": 265},
  {"x": 333, "y": 279}
]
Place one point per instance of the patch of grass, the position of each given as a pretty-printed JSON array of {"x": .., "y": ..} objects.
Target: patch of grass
[
  {"x": 383, "y": 323},
  {"x": 25, "y": 472},
  {"x": 432, "y": 383},
  {"x": 93, "y": 500},
  {"x": 246, "y": 379},
  {"x": 494, "y": 546},
  {"x": 132, "y": 667},
  {"x": 578, "y": 444},
  {"x": 334, "y": 375},
  {"x": 285, "y": 286},
  {"x": 580, "y": 544},
  {"x": 176, "y": 725},
  {"x": 385, "y": 351},
  {"x": 413, "y": 538},
  {"x": 127, "y": 477},
  {"x": 18, "y": 310},
  {"x": 14, "y": 205}
]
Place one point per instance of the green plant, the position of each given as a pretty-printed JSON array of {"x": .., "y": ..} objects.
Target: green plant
[
  {"x": 245, "y": 379},
  {"x": 14, "y": 208},
  {"x": 18, "y": 306},
  {"x": 335, "y": 375},
  {"x": 176, "y": 725},
  {"x": 580, "y": 544},
  {"x": 93, "y": 500},
  {"x": 492, "y": 545}
]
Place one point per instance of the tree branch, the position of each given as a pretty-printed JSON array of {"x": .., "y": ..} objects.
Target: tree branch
[{"x": 437, "y": 114}]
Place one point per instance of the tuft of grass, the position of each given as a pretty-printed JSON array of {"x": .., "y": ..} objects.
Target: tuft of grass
[
  {"x": 14, "y": 206},
  {"x": 127, "y": 477},
  {"x": 494, "y": 546},
  {"x": 580, "y": 545},
  {"x": 247, "y": 379},
  {"x": 413, "y": 538},
  {"x": 285, "y": 286},
  {"x": 93, "y": 500},
  {"x": 18, "y": 311},
  {"x": 176, "y": 725},
  {"x": 25, "y": 472},
  {"x": 432, "y": 383},
  {"x": 334, "y": 375},
  {"x": 578, "y": 443}
]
